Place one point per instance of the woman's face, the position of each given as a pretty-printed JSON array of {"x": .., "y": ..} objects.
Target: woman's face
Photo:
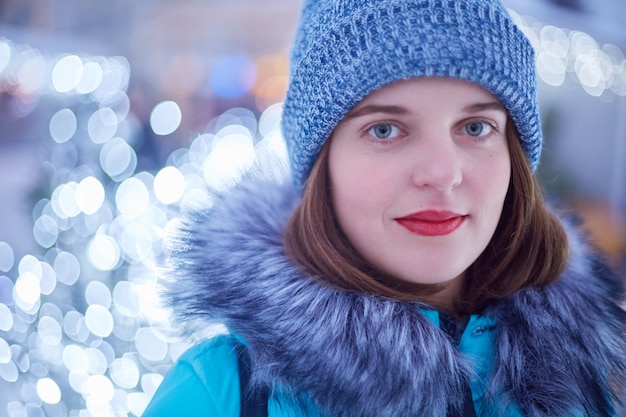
[{"x": 419, "y": 171}]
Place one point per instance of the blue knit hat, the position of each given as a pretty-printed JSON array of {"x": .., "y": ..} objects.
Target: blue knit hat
[{"x": 346, "y": 49}]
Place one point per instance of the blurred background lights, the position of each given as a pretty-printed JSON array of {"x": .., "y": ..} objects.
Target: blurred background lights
[
  {"x": 125, "y": 373},
  {"x": 99, "y": 320},
  {"x": 151, "y": 381},
  {"x": 48, "y": 279},
  {"x": 63, "y": 200},
  {"x": 151, "y": 344},
  {"x": 9, "y": 371},
  {"x": 67, "y": 268},
  {"x": 169, "y": 185},
  {"x": 137, "y": 402},
  {"x": 561, "y": 53},
  {"x": 30, "y": 263},
  {"x": 552, "y": 68},
  {"x": 67, "y": 73},
  {"x": 231, "y": 157},
  {"x": 5, "y": 352},
  {"x": 90, "y": 79},
  {"x": 115, "y": 76},
  {"x": 74, "y": 326},
  {"x": 74, "y": 357},
  {"x": 132, "y": 198},
  {"x": 100, "y": 390},
  {"x": 5, "y": 54},
  {"x": 7, "y": 257},
  {"x": 126, "y": 299},
  {"x": 50, "y": 331},
  {"x": 165, "y": 118},
  {"x": 45, "y": 231},
  {"x": 6, "y": 317},
  {"x": 27, "y": 289},
  {"x": 233, "y": 76},
  {"x": 103, "y": 252},
  {"x": 31, "y": 73},
  {"x": 77, "y": 379},
  {"x": 102, "y": 125},
  {"x": 136, "y": 237},
  {"x": 97, "y": 362},
  {"x": 270, "y": 119},
  {"x": 89, "y": 195},
  {"x": 119, "y": 102},
  {"x": 63, "y": 125},
  {"x": 48, "y": 391},
  {"x": 118, "y": 159},
  {"x": 98, "y": 293},
  {"x": 271, "y": 81}
]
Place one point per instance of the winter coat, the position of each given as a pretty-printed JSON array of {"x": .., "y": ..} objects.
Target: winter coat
[{"x": 542, "y": 352}]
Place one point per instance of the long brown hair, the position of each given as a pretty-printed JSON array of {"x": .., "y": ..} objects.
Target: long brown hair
[{"x": 529, "y": 247}]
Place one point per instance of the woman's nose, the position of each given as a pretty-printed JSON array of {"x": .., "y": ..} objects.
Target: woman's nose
[{"x": 438, "y": 164}]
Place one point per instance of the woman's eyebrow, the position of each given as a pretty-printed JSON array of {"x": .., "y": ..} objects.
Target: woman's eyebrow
[
  {"x": 492, "y": 105},
  {"x": 376, "y": 108},
  {"x": 399, "y": 110}
]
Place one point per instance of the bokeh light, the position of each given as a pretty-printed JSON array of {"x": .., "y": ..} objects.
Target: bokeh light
[
  {"x": 67, "y": 268},
  {"x": 562, "y": 53},
  {"x": 48, "y": 391},
  {"x": 31, "y": 72},
  {"x": 99, "y": 320},
  {"x": 165, "y": 118},
  {"x": 232, "y": 155},
  {"x": 67, "y": 73},
  {"x": 45, "y": 231},
  {"x": 132, "y": 198},
  {"x": 27, "y": 290},
  {"x": 233, "y": 76},
  {"x": 89, "y": 195},
  {"x": 6, "y": 317},
  {"x": 90, "y": 79},
  {"x": 5, "y": 54},
  {"x": 7, "y": 257},
  {"x": 125, "y": 373},
  {"x": 63, "y": 125},
  {"x": 151, "y": 344},
  {"x": 169, "y": 185},
  {"x": 118, "y": 159},
  {"x": 102, "y": 125},
  {"x": 103, "y": 252}
]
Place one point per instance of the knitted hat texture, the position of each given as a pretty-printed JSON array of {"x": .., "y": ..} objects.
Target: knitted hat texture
[{"x": 346, "y": 49}]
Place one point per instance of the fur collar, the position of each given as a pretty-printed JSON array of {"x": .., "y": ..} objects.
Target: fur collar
[{"x": 362, "y": 356}]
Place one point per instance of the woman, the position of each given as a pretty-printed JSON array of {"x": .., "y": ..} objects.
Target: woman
[{"x": 410, "y": 267}]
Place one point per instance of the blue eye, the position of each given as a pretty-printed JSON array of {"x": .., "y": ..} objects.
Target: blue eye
[
  {"x": 478, "y": 128},
  {"x": 384, "y": 131}
]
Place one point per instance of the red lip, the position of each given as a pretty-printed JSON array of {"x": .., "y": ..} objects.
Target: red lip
[{"x": 432, "y": 222}]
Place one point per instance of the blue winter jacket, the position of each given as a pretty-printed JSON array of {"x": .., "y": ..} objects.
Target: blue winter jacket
[
  {"x": 205, "y": 381},
  {"x": 551, "y": 351}
]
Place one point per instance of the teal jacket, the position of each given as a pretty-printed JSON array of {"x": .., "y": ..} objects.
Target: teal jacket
[
  {"x": 205, "y": 381},
  {"x": 552, "y": 351}
]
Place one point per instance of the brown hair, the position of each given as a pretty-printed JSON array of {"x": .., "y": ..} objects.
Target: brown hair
[{"x": 529, "y": 247}]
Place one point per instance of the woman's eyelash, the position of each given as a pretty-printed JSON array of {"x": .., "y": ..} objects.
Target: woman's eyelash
[
  {"x": 471, "y": 126},
  {"x": 383, "y": 130}
]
